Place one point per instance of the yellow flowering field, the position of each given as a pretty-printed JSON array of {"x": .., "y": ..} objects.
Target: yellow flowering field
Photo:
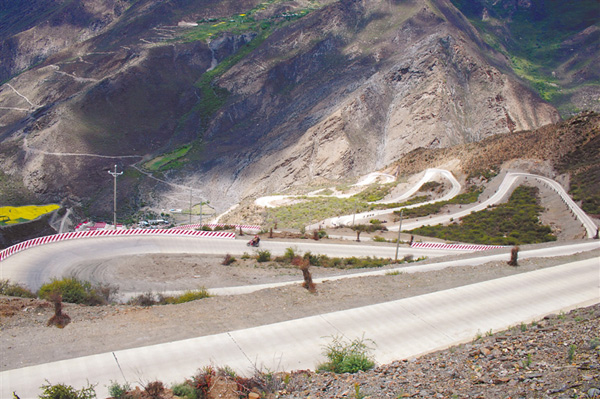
[{"x": 18, "y": 214}]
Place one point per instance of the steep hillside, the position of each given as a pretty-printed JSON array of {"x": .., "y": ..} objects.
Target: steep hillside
[
  {"x": 263, "y": 96},
  {"x": 568, "y": 151},
  {"x": 554, "y": 45}
]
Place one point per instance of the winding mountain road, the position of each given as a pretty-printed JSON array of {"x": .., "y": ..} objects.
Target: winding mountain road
[
  {"x": 401, "y": 329},
  {"x": 429, "y": 175}
]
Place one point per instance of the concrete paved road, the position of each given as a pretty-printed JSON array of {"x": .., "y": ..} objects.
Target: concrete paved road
[
  {"x": 36, "y": 266},
  {"x": 429, "y": 175},
  {"x": 400, "y": 329},
  {"x": 508, "y": 184}
]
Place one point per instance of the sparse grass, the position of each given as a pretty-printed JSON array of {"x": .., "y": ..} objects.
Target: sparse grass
[
  {"x": 241, "y": 23},
  {"x": 188, "y": 296},
  {"x": 347, "y": 357},
  {"x": 375, "y": 192},
  {"x": 161, "y": 162},
  {"x": 312, "y": 210},
  {"x": 431, "y": 209},
  {"x": 11, "y": 289},
  {"x": 228, "y": 260},
  {"x": 263, "y": 255},
  {"x": 150, "y": 299},
  {"x": 571, "y": 353}
]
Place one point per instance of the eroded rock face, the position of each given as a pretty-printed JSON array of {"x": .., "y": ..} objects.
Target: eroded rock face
[
  {"x": 45, "y": 28},
  {"x": 341, "y": 92},
  {"x": 347, "y": 109}
]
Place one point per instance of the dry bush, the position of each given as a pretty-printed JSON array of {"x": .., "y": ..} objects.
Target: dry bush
[
  {"x": 155, "y": 390},
  {"x": 228, "y": 260}
]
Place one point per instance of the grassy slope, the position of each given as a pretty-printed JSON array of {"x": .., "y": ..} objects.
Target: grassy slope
[
  {"x": 516, "y": 222},
  {"x": 538, "y": 41}
]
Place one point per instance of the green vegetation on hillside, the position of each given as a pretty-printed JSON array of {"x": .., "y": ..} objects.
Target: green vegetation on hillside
[
  {"x": 538, "y": 39},
  {"x": 213, "y": 97},
  {"x": 167, "y": 161},
  {"x": 431, "y": 209},
  {"x": 241, "y": 23},
  {"x": 583, "y": 164},
  {"x": 311, "y": 210},
  {"x": 516, "y": 222}
]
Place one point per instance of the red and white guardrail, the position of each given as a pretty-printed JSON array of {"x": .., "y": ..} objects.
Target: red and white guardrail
[
  {"x": 247, "y": 227},
  {"x": 5, "y": 253},
  {"x": 456, "y": 247}
]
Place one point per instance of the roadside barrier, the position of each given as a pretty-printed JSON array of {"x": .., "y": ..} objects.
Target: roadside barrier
[
  {"x": 247, "y": 227},
  {"x": 5, "y": 253},
  {"x": 456, "y": 247}
]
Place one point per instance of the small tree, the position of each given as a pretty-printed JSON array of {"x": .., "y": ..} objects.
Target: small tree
[
  {"x": 304, "y": 265},
  {"x": 369, "y": 228},
  {"x": 514, "y": 253},
  {"x": 59, "y": 319}
]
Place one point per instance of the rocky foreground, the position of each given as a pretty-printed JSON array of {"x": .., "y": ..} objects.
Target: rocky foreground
[{"x": 557, "y": 357}]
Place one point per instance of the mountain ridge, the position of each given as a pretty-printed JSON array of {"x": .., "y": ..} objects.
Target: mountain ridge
[{"x": 338, "y": 90}]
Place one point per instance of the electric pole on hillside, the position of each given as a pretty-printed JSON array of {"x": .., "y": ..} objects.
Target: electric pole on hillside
[
  {"x": 115, "y": 174},
  {"x": 398, "y": 240}
]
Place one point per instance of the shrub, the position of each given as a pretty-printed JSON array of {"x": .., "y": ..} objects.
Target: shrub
[
  {"x": 379, "y": 239},
  {"x": 228, "y": 260},
  {"x": 10, "y": 289},
  {"x": 347, "y": 357},
  {"x": 289, "y": 254},
  {"x": 263, "y": 255},
  {"x": 155, "y": 390},
  {"x": 74, "y": 290},
  {"x": 184, "y": 390},
  {"x": 118, "y": 391},
  {"x": 62, "y": 391},
  {"x": 187, "y": 296},
  {"x": 146, "y": 299}
]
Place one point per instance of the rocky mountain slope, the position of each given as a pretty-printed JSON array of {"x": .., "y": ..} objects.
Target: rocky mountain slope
[{"x": 263, "y": 96}]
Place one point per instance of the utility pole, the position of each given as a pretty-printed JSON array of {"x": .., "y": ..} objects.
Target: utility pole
[
  {"x": 115, "y": 174},
  {"x": 399, "y": 230},
  {"x": 191, "y": 206}
]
